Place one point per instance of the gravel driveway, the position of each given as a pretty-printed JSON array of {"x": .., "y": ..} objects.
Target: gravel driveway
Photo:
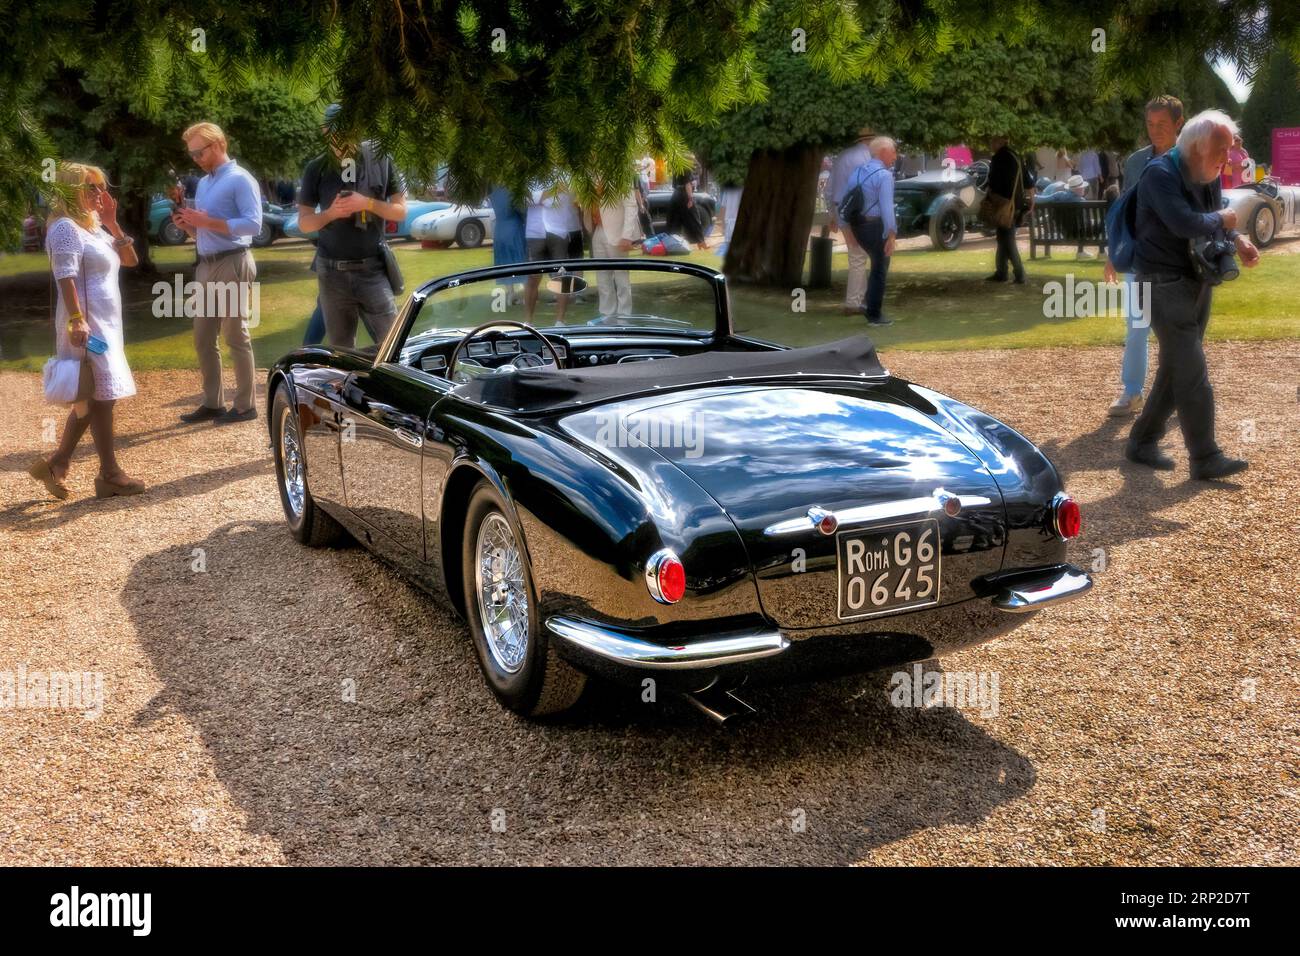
[{"x": 269, "y": 704}]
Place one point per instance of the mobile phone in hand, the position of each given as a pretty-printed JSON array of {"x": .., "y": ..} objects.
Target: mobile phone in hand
[{"x": 96, "y": 344}]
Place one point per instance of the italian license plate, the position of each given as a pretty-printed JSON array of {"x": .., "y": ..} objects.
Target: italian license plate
[{"x": 888, "y": 569}]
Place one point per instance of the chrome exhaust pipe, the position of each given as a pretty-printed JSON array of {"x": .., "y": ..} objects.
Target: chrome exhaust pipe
[{"x": 722, "y": 706}]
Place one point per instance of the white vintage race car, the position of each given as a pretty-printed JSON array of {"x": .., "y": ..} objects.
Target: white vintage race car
[
  {"x": 467, "y": 226},
  {"x": 1265, "y": 209}
]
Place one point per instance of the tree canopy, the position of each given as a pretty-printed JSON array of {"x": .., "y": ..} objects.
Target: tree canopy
[
  {"x": 503, "y": 91},
  {"x": 1274, "y": 102}
]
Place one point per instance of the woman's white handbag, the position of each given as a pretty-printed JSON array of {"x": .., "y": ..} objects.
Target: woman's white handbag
[{"x": 70, "y": 382}]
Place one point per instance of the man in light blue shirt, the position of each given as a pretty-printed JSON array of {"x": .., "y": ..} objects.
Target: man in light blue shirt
[
  {"x": 1164, "y": 120},
  {"x": 227, "y": 214},
  {"x": 875, "y": 227}
]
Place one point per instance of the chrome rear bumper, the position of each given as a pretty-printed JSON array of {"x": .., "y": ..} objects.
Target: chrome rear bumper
[
  {"x": 698, "y": 661},
  {"x": 1031, "y": 592},
  {"x": 627, "y": 651}
]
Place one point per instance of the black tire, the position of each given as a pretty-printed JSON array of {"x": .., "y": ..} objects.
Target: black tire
[
  {"x": 1263, "y": 226},
  {"x": 947, "y": 228},
  {"x": 470, "y": 234},
  {"x": 308, "y": 524},
  {"x": 265, "y": 237},
  {"x": 542, "y": 683},
  {"x": 170, "y": 234}
]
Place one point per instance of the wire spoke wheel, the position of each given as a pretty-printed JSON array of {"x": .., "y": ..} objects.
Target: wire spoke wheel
[
  {"x": 295, "y": 489},
  {"x": 502, "y": 593}
]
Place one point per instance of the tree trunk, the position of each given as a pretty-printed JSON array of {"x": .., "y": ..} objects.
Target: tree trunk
[
  {"x": 776, "y": 213},
  {"x": 133, "y": 213}
]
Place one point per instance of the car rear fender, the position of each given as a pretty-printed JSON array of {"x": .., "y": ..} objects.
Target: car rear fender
[
  {"x": 590, "y": 518},
  {"x": 1026, "y": 477}
]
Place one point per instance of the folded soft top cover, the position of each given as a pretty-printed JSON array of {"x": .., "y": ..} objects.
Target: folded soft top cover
[{"x": 541, "y": 389}]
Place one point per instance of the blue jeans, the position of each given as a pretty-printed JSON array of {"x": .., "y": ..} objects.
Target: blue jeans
[
  {"x": 1133, "y": 370},
  {"x": 870, "y": 234},
  {"x": 315, "y": 326}
]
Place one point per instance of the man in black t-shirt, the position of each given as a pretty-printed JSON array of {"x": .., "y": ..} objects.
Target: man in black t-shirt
[{"x": 357, "y": 190}]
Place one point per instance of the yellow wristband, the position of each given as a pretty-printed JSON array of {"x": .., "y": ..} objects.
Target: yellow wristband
[{"x": 370, "y": 205}]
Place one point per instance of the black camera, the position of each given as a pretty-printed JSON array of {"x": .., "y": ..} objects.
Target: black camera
[{"x": 1215, "y": 258}]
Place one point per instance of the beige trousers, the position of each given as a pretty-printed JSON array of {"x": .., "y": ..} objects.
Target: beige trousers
[
  {"x": 856, "y": 287},
  {"x": 225, "y": 309}
]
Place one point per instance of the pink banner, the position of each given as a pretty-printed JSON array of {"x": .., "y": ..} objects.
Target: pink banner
[{"x": 1286, "y": 155}]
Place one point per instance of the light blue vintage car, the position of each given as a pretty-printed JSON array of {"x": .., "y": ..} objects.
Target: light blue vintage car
[
  {"x": 166, "y": 233},
  {"x": 467, "y": 226}
]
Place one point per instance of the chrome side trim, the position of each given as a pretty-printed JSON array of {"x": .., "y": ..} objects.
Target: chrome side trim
[
  {"x": 1031, "y": 594},
  {"x": 627, "y": 651},
  {"x": 865, "y": 514}
]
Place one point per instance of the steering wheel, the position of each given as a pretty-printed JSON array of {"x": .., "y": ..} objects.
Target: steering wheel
[{"x": 469, "y": 336}]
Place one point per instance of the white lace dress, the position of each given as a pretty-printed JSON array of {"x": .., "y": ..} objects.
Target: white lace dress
[{"x": 90, "y": 259}]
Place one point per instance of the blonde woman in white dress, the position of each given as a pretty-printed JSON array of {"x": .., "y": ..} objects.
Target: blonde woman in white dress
[{"x": 86, "y": 246}]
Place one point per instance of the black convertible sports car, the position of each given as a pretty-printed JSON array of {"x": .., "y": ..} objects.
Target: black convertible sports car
[{"x": 650, "y": 494}]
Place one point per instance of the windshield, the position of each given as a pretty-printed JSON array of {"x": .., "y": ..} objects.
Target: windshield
[{"x": 601, "y": 299}]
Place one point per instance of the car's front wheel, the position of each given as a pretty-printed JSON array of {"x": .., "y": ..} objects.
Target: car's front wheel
[
  {"x": 518, "y": 662},
  {"x": 1263, "y": 225},
  {"x": 307, "y": 522}
]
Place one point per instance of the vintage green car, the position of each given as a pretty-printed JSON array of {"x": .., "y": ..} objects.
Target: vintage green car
[{"x": 941, "y": 203}]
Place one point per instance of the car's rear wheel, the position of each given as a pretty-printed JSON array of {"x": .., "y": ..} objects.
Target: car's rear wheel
[
  {"x": 171, "y": 234},
  {"x": 470, "y": 233},
  {"x": 265, "y": 236},
  {"x": 518, "y": 662},
  {"x": 1263, "y": 225},
  {"x": 307, "y": 522}
]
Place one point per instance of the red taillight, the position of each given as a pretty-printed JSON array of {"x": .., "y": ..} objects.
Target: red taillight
[
  {"x": 1066, "y": 517},
  {"x": 390, "y": 225},
  {"x": 665, "y": 577}
]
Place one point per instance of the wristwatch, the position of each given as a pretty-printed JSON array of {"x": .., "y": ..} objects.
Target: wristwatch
[{"x": 124, "y": 241}]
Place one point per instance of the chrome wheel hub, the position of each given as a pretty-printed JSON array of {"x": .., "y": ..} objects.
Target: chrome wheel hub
[
  {"x": 295, "y": 489},
  {"x": 502, "y": 593}
]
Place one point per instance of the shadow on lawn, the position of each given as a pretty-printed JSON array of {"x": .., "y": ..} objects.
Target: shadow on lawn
[{"x": 254, "y": 653}]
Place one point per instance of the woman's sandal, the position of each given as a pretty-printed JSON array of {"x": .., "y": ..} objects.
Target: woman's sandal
[
  {"x": 104, "y": 488},
  {"x": 41, "y": 471}
]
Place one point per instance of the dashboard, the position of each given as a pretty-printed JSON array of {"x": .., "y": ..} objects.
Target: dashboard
[{"x": 498, "y": 348}]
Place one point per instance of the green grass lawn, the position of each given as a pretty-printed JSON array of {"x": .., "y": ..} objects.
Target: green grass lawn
[{"x": 938, "y": 300}]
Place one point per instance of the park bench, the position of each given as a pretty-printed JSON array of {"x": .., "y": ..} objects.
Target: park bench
[{"x": 1073, "y": 224}]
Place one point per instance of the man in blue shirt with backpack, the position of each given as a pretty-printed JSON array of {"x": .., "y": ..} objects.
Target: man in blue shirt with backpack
[{"x": 868, "y": 209}]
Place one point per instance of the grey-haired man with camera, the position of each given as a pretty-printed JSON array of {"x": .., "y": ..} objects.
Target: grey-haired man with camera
[{"x": 1185, "y": 247}]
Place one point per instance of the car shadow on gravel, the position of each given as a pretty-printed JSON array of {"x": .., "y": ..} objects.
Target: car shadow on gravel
[
  {"x": 344, "y": 713},
  {"x": 38, "y": 513}
]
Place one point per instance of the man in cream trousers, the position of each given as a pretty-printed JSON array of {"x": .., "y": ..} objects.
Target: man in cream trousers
[
  {"x": 614, "y": 226},
  {"x": 227, "y": 214}
]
